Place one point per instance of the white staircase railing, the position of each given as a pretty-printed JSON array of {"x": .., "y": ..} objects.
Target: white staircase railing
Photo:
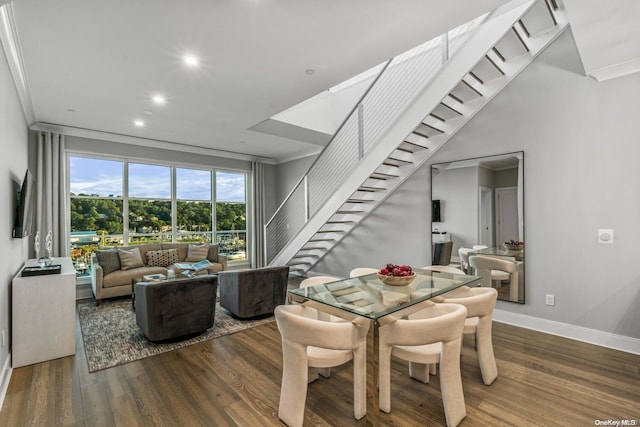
[
  {"x": 394, "y": 89},
  {"x": 414, "y": 107}
]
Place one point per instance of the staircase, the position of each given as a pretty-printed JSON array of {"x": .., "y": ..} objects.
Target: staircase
[{"x": 388, "y": 136}]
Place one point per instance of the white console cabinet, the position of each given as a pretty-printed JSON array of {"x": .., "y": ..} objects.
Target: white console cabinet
[{"x": 43, "y": 315}]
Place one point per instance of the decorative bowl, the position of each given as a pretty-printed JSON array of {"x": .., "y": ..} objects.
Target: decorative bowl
[
  {"x": 396, "y": 280},
  {"x": 514, "y": 247}
]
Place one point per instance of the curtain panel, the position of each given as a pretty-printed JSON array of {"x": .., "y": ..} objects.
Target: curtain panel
[
  {"x": 258, "y": 249},
  {"x": 51, "y": 198}
]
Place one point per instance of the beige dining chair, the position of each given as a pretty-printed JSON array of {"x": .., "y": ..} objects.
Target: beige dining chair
[
  {"x": 432, "y": 335},
  {"x": 463, "y": 254},
  {"x": 320, "y": 315},
  {"x": 444, "y": 269},
  {"x": 493, "y": 269},
  {"x": 318, "y": 280},
  {"x": 480, "y": 303},
  {"x": 312, "y": 343},
  {"x": 362, "y": 271}
]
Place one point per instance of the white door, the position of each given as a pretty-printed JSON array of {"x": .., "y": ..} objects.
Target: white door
[
  {"x": 506, "y": 214},
  {"x": 485, "y": 218}
]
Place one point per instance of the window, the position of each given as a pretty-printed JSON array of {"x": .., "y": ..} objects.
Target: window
[
  {"x": 193, "y": 194},
  {"x": 162, "y": 204},
  {"x": 231, "y": 214},
  {"x": 96, "y": 207},
  {"x": 149, "y": 204}
]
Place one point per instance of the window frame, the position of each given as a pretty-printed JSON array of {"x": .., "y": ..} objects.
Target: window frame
[{"x": 173, "y": 199}]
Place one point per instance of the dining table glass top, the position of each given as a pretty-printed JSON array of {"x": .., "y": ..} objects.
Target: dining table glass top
[
  {"x": 518, "y": 255},
  {"x": 367, "y": 296}
]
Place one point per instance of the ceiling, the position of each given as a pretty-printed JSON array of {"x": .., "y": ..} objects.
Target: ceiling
[
  {"x": 606, "y": 35},
  {"x": 94, "y": 65}
]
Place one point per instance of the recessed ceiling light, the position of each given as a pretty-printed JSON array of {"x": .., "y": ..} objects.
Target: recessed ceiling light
[
  {"x": 309, "y": 71},
  {"x": 191, "y": 60},
  {"x": 243, "y": 142},
  {"x": 139, "y": 123},
  {"x": 158, "y": 99},
  {"x": 147, "y": 113},
  {"x": 71, "y": 110}
]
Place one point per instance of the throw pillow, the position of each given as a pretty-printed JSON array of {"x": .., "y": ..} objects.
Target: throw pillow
[
  {"x": 108, "y": 260},
  {"x": 197, "y": 252},
  {"x": 163, "y": 258},
  {"x": 130, "y": 258}
]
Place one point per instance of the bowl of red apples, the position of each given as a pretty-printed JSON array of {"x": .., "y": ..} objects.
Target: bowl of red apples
[
  {"x": 514, "y": 245},
  {"x": 396, "y": 275}
]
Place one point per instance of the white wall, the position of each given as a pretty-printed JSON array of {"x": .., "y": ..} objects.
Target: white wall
[
  {"x": 457, "y": 190},
  {"x": 581, "y": 143},
  {"x": 13, "y": 164},
  {"x": 287, "y": 175}
]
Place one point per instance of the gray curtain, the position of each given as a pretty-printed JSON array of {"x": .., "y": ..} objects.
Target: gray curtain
[
  {"x": 51, "y": 199},
  {"x": 257, "y": 176}
]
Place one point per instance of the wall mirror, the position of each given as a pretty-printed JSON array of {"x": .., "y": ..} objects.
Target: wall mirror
[{"x": 478, "y": 211}]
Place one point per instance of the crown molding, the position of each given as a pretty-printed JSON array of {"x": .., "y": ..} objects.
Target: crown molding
[
  {"x": 13, "y": 53},
  {"x": 145, "y": 142}
]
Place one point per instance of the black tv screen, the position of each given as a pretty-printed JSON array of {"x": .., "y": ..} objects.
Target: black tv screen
[
  {"x": 23, "y": 219},
  {"x": 435, "y": 211}
]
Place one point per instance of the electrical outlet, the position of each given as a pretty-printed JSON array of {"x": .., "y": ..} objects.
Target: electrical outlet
[{"x": 550, "y": 299}]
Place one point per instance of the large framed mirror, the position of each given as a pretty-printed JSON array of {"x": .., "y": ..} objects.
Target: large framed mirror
[{"x": 478, "y": 220}]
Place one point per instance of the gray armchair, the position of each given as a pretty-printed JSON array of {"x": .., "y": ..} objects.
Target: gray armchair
[
  {"x": 175, "y": 308},
  {"x": 253, "y": 293}
]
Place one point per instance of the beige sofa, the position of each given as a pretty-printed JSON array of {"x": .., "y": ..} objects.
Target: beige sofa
[{"x": 110, "y": 280}]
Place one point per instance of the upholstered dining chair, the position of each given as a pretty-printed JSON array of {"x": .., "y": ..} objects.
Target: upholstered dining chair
[
  {"x": 443, "y": 269},
  {"x": 463, "y": 254},
  {"x": 480, "y": 303},
  {"x": 317, "y": 280},
  {"x": 362, "y": 271},
  {"x": 320, "y": 315},
  {"x": 432, "y": 335},
  {"x": 496, "y": 275},
  {"x": 493, "y": 269},
  {"x": 309, "y": 342}
]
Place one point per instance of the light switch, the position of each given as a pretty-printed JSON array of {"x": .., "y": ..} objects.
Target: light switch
[{"x": 605, "y": 235}]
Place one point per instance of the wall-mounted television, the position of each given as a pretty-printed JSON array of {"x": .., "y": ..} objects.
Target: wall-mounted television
[
  {"x": 435, "y": 211},
  {"x": 23, "y": 219}
]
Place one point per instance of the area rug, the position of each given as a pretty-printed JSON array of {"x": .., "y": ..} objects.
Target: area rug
[{"x": 111, "y": 336}]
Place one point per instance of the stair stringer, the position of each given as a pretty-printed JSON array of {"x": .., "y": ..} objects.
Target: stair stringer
[{"x": 485, "y": 37}]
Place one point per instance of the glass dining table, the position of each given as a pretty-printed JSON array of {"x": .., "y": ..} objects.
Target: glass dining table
[{"x": 366, "y": 298}]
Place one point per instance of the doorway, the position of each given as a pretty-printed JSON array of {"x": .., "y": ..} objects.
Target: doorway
[
  {"x": 485, "y": 216},
  {"x": 507, "y": 214}
]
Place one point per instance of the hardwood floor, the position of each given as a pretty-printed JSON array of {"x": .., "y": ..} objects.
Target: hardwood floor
[{"x": 543, "y": 380}]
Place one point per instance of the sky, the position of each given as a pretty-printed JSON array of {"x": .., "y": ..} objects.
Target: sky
[{"x": 105, "y": 178}]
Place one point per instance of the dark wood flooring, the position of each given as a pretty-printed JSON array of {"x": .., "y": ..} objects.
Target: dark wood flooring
[{"x": 543, "y": 380}]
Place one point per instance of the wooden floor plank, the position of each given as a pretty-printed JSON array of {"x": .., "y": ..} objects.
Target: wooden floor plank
[{"x": 235, "y": 381}]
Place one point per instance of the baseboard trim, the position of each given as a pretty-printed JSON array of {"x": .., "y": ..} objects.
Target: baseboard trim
[
  {"x": 579, "y": 333},
  {"x": 5, "y": 377}
]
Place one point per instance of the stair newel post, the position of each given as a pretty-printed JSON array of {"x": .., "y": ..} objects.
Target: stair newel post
[
  {"x": 306, "y": 198},
  {"x": 360, "y": 131}
]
